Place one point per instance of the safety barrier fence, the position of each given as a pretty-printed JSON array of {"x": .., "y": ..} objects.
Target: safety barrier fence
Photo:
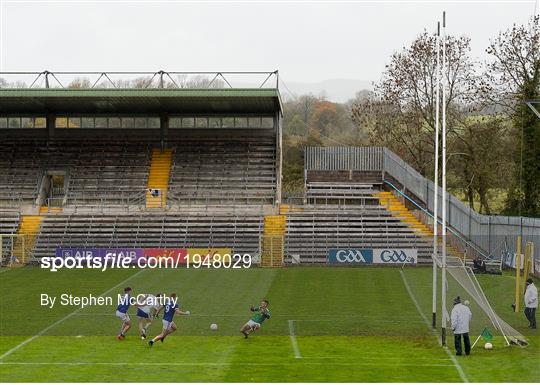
[{"x": 494, "y": 234}]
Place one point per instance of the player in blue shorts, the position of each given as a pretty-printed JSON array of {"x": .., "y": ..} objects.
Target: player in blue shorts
[
  {"x": 170, "y": 308},
  {"x": 147, "y": 310},
  {"x": 121, "y": 312}
]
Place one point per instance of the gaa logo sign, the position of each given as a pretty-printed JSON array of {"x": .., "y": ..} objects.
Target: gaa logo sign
[
  {"x": 350, "y": 256},
  {"x": 395, "y": 256}
]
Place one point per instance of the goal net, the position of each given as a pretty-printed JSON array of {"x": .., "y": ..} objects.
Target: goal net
[
  {"x": 461, "y": 281},
  {"x": 13, "y": 250}
]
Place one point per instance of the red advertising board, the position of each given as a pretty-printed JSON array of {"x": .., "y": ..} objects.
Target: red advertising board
[{"x": 179, "y": 255}]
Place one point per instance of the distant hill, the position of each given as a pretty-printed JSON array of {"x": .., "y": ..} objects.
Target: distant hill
[{"x": 335, "y": 90}]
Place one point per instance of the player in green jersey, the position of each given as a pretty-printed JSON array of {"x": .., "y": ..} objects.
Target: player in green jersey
[{"x": 261, "y": 313}]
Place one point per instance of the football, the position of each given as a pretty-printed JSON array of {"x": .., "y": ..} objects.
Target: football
[
  {"x": 488, "y": 346},
  {"x": 213, "y": 327}
]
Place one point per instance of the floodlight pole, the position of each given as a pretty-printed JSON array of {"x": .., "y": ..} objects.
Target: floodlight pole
[
  {"x": 436, "y": 181},
  {"x": 443, "y": 246}
]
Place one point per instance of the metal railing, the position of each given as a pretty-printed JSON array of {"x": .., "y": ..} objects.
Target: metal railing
[
  {"x": 96, "y": 201},
  {"x": 148, "y": 80},
  {"x": 54, "y": 202},
  {"x": 10, "y": 201},
  {"x": 175, "y": 199},
  {"x": 344, "y": 158},
  {"x": 490, "y": 233}
]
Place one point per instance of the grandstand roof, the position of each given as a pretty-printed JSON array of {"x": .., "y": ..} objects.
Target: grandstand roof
[{"x": 144, "y": 101}]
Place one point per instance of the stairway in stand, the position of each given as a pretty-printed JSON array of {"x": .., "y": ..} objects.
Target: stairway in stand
[
  {"x": 399, "y": 210},
  {"x": 284, "y": 209},
  {"x": 272, "y": 241},
  {"x": 28, "y": 230},
  {"x": 49, "y": 210},
  {"x": 158, "y": 178}
]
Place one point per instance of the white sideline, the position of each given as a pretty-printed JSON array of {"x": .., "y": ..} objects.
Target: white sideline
[
  {"x": 27, "y": 341},
  {"x": 311, "y": 319},
  {"x": 445, "y": 348},
  {"x": 355, "y": 363},
  {"x": 293, "y": 339}
]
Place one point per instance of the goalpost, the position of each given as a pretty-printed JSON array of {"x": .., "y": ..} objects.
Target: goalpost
[
  {"x": 13, "y": 251},
  {"x": 454, "y": 266},
  {"x": 468, "y": 284}
]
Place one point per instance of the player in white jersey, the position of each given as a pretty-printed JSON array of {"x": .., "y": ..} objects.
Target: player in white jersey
[{"x": 147, "y": 310}]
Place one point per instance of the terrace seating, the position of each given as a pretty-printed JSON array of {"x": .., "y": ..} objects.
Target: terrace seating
[
  {"x": 233, "y": 169},
  {"x": 95, "y": 170},
  {"x": 311, "y": 233},
  {"x": 112, "y": 173},
  {"x": 239, "y": 169},
  {"x": 9, "y": 221},
  {"x": 340, "y": 192},
  {"x": 20, "y": 170},
  {"x": 236, "y": 228}
]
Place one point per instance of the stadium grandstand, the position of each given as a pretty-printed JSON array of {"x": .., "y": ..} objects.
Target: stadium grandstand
[{"x": 161, "y": 166}]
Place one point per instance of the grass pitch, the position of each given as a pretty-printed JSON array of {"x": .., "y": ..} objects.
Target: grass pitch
[{"x": 328, "y": 324}]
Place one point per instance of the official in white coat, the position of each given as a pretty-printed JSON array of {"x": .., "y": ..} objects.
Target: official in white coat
[
  {"x": 461, "y": 318},
  {"x": 531, "y": 303}
]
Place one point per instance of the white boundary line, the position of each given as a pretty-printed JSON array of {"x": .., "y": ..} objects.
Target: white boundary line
[
  {"x": 445, "y": 348},
  {"x": 325, "y": 319},
  {"x": 293, "y": 339},
  {"x": 355, "y": 363},
  {"x": 27, "y": 341}
]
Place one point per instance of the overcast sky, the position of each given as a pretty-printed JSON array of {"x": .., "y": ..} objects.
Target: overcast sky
[{"x": 307, "y": 42}]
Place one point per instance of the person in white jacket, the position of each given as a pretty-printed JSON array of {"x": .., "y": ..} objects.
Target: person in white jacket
[
  {"x": 531, "y": 303},
  {"x": 461, "y": 318}
]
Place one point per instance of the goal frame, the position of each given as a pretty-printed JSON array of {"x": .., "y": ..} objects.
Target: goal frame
[{"x": 10, "y": 261}]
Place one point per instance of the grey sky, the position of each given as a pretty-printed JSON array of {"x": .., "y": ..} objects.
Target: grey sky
[{"x": 307, "y": 42}]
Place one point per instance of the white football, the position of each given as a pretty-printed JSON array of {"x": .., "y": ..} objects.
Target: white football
[
  {"x": 213, "y": 327},
  {"x": 466, "y": 303},
  {"x": 488, "y": 346}
]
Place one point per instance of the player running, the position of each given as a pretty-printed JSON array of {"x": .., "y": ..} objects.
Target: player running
[
  {"x": 121, "y": 312},
  {"x": 170, "y": 308},
  {"x": 146, "y": 311},
  {"x": 255, "y": 322}
]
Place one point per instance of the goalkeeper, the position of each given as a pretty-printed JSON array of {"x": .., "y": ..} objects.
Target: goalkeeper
[{"x": 261, "y": 313}]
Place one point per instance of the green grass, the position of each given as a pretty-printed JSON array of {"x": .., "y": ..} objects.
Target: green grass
[{"x": 350, "y": 324}]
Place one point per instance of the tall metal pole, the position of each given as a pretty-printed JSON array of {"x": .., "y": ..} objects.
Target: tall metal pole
[
  {"x": 443, "y": 246},
  {"x": 436, "y": 181}
]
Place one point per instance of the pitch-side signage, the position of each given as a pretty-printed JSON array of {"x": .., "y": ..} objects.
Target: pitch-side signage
[
  {"x": 356, "y": 256},
  {"x": 99, "y": 253},
  {"x": 399, "y": 256},
  {"x": 133, "y": 254},
  {"x": 372, "y": 256},
  {"x": 173, "y": 254}
]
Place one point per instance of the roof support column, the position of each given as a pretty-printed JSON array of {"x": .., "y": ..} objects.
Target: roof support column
[
  {"x": 279, "y": 155},
  {"x": 164, "y": 130},
  {"x": 50, "y": 121}
]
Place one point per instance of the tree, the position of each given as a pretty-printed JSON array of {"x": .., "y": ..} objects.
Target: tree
[
  {"x": 513, "y": 76},
  {"x": 298, "y": 113},
  {"x": 311, "y": 121},
  {"x": 480, "y": 162},
  {"x": 80, "y": 83},
  {"x": 325, "y": 117},
  {"x": 401, "y": 115}
]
